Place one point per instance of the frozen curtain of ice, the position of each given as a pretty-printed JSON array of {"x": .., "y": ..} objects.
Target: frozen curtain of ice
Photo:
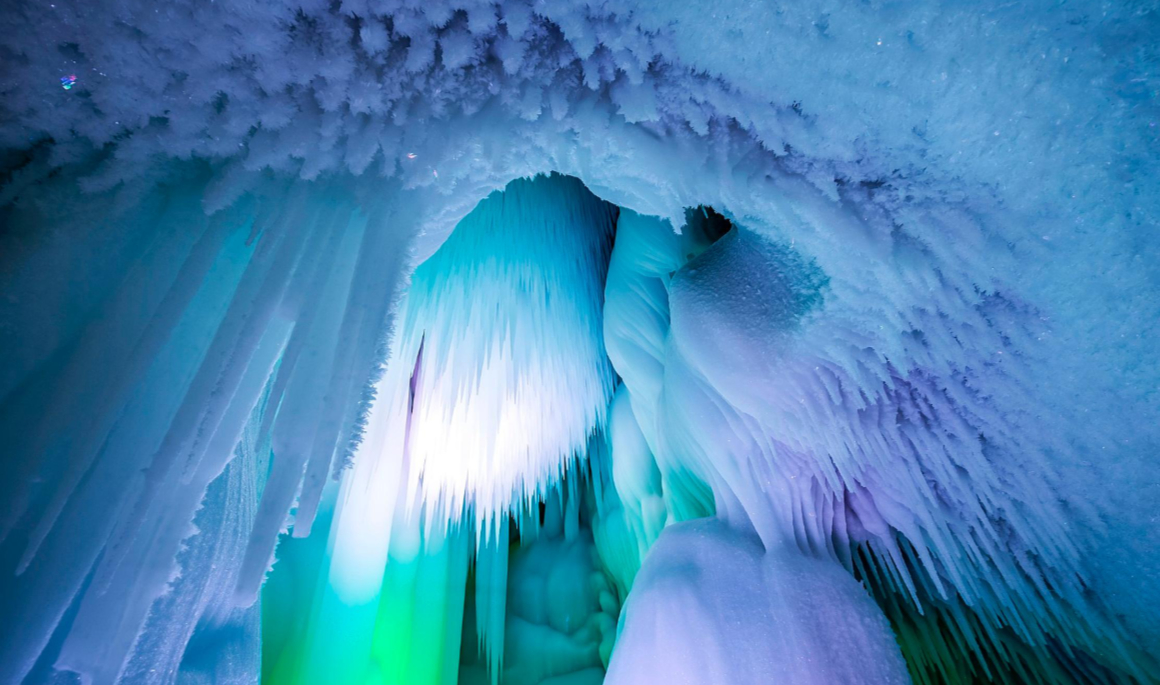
[{"x": 924, "y": 359}]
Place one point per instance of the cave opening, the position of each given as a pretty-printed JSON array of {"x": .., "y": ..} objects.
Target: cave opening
[{"x": 525, "y": 543}]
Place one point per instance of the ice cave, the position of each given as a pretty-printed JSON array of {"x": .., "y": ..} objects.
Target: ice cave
[{"x": 568, "y": 342}]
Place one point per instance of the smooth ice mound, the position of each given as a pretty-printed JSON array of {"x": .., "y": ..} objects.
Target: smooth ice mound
[
  {"x": 394, "y": 342},
  {"x": 712, "y": 605}
]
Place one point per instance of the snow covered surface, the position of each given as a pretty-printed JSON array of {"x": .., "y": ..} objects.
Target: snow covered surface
[
  {"x": 711, "y": 605},
  {"x": 927, "y": 355}
]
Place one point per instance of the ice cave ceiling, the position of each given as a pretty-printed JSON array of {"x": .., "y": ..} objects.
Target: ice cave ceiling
[{"x": 576, "y": 342}]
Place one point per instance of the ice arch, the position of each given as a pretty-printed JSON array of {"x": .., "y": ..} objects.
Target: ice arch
[{"x": 965, "y": 415}]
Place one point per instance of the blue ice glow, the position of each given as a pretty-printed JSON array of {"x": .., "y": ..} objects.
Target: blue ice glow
[
  {"x": 923, "y": 356},
  {"x": 497, "y": 378}
]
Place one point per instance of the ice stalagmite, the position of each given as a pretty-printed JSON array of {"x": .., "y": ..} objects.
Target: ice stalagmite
[{"x": 712, "y": 605}]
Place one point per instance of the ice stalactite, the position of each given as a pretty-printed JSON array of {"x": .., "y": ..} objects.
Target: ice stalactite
[
  {"x": 514, "y": 376},
  {"x": 494, "y": 386},
  {"x": 491, "y": 582},
  {"x": 143, "y": 411}
]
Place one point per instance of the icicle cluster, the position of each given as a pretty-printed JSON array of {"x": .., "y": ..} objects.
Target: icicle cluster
[
  {"x": 499, "y": 367},
  {"x": 212, "y": 318},
  {"x": 495, "y": 383}
]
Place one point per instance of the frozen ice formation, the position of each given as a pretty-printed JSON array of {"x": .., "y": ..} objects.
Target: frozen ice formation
[
  {"x": 315, "y": 315},
  {"x": 498, "y": 374},
  {"x": 713, "y": 605}
]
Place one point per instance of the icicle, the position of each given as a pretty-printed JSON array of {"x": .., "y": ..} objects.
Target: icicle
[
  {"x": 73, "y": 540},
  {"x": 125, "y": 587},
  {"x": 501, "y": 405},
  {"x": 362, "y": 325},
  {"x": 111, "y": 358},
  {"x": 293, "y": 434},
  {"x": 212, "y": 388},
  {"x": 491, "y": 565}
]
